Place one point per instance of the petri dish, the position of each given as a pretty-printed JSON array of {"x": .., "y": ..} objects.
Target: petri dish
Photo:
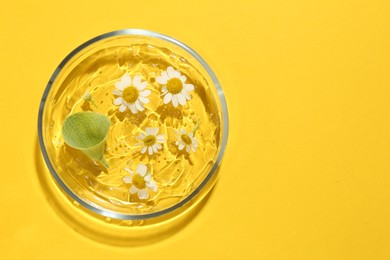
[{"x": 160, "y": 155}]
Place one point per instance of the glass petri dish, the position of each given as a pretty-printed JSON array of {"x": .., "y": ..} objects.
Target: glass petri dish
[{"x": 168, "y": 132}]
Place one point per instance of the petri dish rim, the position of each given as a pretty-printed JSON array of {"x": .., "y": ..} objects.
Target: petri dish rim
[{"x": 225, "y": 122}]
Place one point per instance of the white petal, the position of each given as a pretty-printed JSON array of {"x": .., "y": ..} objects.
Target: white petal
[
  {"x": 158, "y": 146},
  {"x": 161, "y": 80},
  {"x": 152, "y": 185},
  {"x": 119, "y": 85},
  {"x": 183, "y": 78},
  {"x": 177, "y": 74},
  {"x": 137, "y": 80},
  {"x": 150, "y": 150},
  {"x": 188, "y": 148},
  {"x": 149, "y": 130},
  {"x": 139, "y": 106},
  {"x": 122, "y": 108},
  {"x": 175, "y": 102},
  {"x": 148, "y": 178},
  {"x": 145, "y": 93},
  {"x": 154, "y": 148},
  {"x": 186, "y": 94},
  {"x": 170, "y": 72},
  {"x": 181, "y": 99},
  {"x": 142, "y": 85},
  {"x": 193, "y": 148},
  {"x": 133, "y": 108},
  {"x": 143, "y": 150},
  {"x": 183, "y": 131},
  {"x": 160, "y": 138},
  {"x": 117, "y": 92},
  {"x": 189, "y": 87},
  {"x": 181, "y": 146},
  {"x": 191, "y": 135},
  {"x": 167, "y": 98},
  {"x": 141, "y": 169},
  {"x": 127, "y": 179},
  {"x": 118, "y": 101},
  {"x": 165, "y": 75},
  {"x": 154, "y": 130},
  {"x": 126, "y": 79},
  {"x": 143, "y": 99},
  {"x": 133, "y": 189},
  {"x": 141, "y": 136},
  {"x": 143, "y": 194}
]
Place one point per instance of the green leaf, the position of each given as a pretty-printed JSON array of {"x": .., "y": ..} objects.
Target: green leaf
[{"x": 87, "y": 132}]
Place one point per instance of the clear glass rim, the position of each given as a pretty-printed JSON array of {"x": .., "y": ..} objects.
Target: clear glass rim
[{"x": 225, "y": 130}]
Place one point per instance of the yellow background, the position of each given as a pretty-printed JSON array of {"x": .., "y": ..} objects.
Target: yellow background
[{"x": 307, "y": 170}]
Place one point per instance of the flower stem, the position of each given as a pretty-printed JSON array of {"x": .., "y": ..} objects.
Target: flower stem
[
  {"x": 196, "y": 126},
  {"x": 93, "y": 103},
  {"x": 104, "y": 162}
]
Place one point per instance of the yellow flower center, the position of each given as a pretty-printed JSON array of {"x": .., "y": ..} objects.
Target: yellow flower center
[
  {"x": 130, "y": 94},
  {"x": 149, "y": 140},
  {"x": 139, "y": 182},
  {"x": 186, "y": 139},
  {"x": 174, "y": 85}
]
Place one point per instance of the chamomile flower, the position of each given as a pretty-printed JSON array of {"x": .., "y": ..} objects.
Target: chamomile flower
[
  {"x": 186, "y": 140},
  {"x": 151, "y": 141},
  {"x": 131, "y": 94},
  {"x": 141, "y": 182},
  {"x": 174, "y": 89},
  {"x": 88, "y": 98}
]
